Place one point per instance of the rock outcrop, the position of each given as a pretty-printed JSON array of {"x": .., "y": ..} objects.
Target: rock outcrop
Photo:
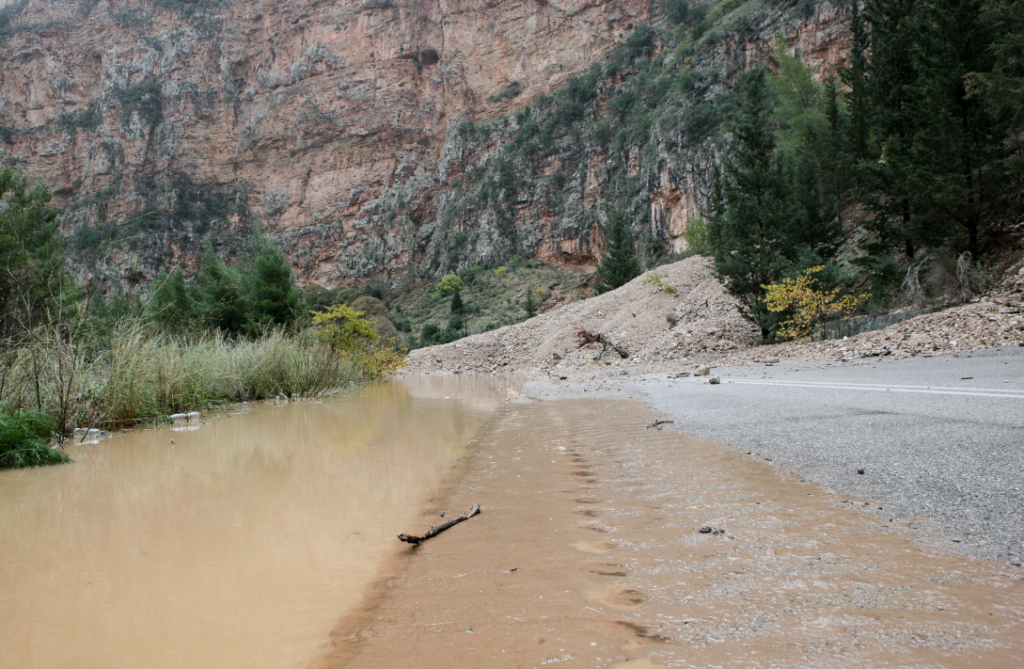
[
  {"x": 313, "y": 118},
  {"x": 338, "y": 127}
]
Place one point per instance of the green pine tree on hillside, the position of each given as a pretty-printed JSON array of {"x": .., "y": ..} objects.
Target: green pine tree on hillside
[
  {"x": 273, "y": 300},
  {"x": 618, "y": 264},
  {"x": 172, "y": 305},
  {"x": 33, "y": 278},
  {"x": 771, "y": 220},
  {"x": 219, "y": 294}
]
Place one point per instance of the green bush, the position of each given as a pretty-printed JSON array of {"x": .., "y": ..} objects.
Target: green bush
[
  {"x": 144, "y": 98},
  {"x": 23, "y": 440},
  {"x": 675, "y": 11},
  {"x": 401, "y": 323},
  {"x": 507, "y": 93}
]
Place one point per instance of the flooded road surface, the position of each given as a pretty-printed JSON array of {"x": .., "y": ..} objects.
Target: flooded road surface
[
  {"x": 605, "y": 543},
  {"x": 240, "y": 544}
]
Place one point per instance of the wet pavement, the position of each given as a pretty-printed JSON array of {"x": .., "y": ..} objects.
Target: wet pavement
[{"x": 605, "y": 543}]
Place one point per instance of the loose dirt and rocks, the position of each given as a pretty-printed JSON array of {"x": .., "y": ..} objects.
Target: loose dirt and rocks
[
  {"x": 680, "y": 314},
  {"x": 685, "y": 315},
  {"x": 609, "y": 538}
]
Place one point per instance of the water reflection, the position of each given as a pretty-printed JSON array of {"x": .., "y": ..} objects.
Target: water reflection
[{"x": 236, "y": 545}]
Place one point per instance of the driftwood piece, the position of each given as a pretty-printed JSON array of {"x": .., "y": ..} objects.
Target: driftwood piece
[
  {"x": 584, "y": 337},
  {"x": 623, "y": 353},
  {"x": 438, "y": 529}
]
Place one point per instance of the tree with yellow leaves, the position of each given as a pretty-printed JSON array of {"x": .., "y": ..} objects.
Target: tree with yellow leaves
[
  {"x": 808, "y": 304},
  {"x": 347, "y": 333}
]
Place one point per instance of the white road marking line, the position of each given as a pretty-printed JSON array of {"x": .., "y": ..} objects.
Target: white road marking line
[{"x": 928, "y": 390}]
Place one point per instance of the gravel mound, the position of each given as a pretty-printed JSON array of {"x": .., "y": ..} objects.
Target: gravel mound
[
  {"x": 635, "y": 317},
  {"x": 701, "y": 324},
  {"x": 997, "y": 319}
]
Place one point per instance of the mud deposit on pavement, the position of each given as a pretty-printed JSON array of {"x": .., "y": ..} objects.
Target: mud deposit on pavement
[{"x": 589, "y": 552}]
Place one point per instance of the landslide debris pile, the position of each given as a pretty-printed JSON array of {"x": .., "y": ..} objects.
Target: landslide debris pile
[
  {"x": 699, "y": 321},
  {"x": 709, "y": 329},
  {"x": 995, "y": 319}
]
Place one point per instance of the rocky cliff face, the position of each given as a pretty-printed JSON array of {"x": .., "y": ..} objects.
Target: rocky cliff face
[
  {"x": 642, "y": 133},
  {"x": 341, "y": 128},
  {"x": 159, "y": 122}
]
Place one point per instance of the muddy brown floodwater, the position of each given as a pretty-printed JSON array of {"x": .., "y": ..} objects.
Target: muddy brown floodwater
[
  {"x": 239, "y": 545},
  {"x": 589, "y": 553}
]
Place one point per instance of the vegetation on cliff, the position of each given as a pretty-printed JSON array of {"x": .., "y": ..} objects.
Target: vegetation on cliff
[
  {"x": 899, "y": 173},
  {"x": 915, "y": 148}
]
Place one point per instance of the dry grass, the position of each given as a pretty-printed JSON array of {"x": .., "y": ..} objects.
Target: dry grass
[{"x": 145, "y": 376}]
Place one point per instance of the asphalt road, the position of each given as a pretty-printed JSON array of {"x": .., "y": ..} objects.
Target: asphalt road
[{"x": 937, "y": 438}]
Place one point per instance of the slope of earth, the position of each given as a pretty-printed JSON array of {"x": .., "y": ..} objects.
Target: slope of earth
[
  {"x": 701, "y": 324},
  {"x": 638, "y": 317},
  {"x": 492, "y": 297}
]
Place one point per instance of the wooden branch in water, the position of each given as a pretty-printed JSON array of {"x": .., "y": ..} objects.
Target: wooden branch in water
[{"x": 438, "y": 529}]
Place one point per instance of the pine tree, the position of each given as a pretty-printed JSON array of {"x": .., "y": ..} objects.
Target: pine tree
[
  {"x": 530, "y": 306},
  {"x": 618, "y": 264},
  {"x": 273, "y": 298},
  {"x": 171, "y": 305},
  {"x": 855, "y": 79},
  {"x": 455, "y": 321},
  {"x": 33, "y": 277},
  {"x": 770, "y": 219},
  {"x": 890, "y": 80},
  {"x": 219, "y": 296},
  {"x": 1003, "y": 88},
  {"x": 958, "y": 154},
  {"x": 835, "y": 171}
]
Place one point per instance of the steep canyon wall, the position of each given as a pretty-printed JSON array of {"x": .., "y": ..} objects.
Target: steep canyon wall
[{"x": 349, "y": 130}]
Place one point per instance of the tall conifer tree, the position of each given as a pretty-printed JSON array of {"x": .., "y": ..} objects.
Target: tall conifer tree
[
  {"x": 274, "y": 299},
  {"x": 855, "y": 77},
  {"x": 770, "y": 221},
  {"x": 890, "y": 86},
  {"x": 618, "y": 264},
  {"x": 959, "y": 151},
  {"x": 219, "y": 294},
  {"x": 171, "y": 305}
]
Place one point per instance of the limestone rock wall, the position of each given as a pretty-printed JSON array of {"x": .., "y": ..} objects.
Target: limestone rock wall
[
  {"x": 154, "y": 122},
  {"x": 334, "y": 126}
]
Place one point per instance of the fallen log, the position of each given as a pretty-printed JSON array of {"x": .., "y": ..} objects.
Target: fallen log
[
  {"x": 584, "y": 337},
  {"x": 623, "y": 353},
  {"x": 438, "y": 529}
]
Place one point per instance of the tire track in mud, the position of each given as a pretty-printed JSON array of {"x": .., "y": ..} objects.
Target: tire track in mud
[{"x": 589, "y": 551}]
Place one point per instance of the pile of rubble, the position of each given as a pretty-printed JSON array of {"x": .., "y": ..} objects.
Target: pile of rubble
[
  {"x": 997, "y": 319},
  {"x": 680, "y": 314},
  {"x": 676, "y": 313}
]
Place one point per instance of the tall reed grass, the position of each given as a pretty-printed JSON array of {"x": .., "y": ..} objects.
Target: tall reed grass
[{"x": 145, "y": 376}]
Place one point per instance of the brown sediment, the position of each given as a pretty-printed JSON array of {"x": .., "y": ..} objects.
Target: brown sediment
[{"x": 793, "y": 581}]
